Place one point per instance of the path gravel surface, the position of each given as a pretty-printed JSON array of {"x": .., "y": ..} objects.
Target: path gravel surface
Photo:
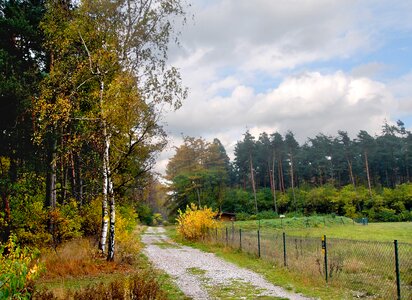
[{"x": 202, "y": 275}]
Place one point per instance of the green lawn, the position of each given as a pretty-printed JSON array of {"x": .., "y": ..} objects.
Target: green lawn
[{"x": 338, "y": 227}]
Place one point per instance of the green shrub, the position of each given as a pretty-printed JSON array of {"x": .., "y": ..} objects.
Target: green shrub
[
  {"x": 241, "y": 216},
  {"x": 405, "y": 216},
  {"x": 66, "y": 222},
  {"x": 157, "y": 219},
  {"x": 145, "y": 213},
  {"x": 386, "y": 215},
  {"x": 19, "y": 267},
  {"x": 267, "y": 214},
  {"x": 131, "y": 217},
  {"x": 91, "y": 215}
]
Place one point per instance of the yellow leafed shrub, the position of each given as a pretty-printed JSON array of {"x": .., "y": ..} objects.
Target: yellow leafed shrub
[{"x": 194, "y": 223}]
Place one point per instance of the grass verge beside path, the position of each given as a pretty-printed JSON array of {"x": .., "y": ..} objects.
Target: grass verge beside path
[
  {"x": 76, "y": 267},
  {"x": 277, "y": 275}
]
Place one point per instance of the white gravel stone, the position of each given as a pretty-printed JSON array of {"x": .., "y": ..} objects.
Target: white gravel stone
[{"x": 177, "y": 261}]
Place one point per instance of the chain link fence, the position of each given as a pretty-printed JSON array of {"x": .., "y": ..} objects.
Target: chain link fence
[{"x": 376, "y": 270}]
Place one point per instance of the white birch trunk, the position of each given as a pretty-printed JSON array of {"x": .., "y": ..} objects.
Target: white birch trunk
[
  {"x": 106, "y": 177},
  {"x": 105, "y": 192},
  {"x": 111, "y": 250}
]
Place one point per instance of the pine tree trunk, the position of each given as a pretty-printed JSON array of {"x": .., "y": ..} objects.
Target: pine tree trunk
[
  {"x": 198, "y": 196},
  {"x": 281, "y": 179},
  {"x": 270, "y": 176},
  {"x": 51, "y": 174},
  {"x": 64, "y": 175},
  {"x": 253, "y": 182},
  {"x": 367, "y": 173},
  {"x": 292, "y": 182},
  {"x": 79, "y": 181},
  {"x": 273, "y": 184},
  {"x": 51, "y": 179},
  {"x": 7, "y": 212},
  {"x": 352, "y": 178}
]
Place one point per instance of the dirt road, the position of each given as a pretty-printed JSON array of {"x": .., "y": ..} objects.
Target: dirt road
[{"x": 202, "y": 275}]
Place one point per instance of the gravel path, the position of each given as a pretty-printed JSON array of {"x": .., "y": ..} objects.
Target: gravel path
[{"x": 202, "y": 275}]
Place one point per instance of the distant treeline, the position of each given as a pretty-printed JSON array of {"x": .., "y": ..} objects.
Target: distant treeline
[{"x": 327, "y": 174}]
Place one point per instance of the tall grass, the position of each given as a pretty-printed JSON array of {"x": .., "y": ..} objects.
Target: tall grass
[
  {"x": 142, "y": 285},
  {"x": 78, "y": 258},
  {"x": 76, "y": 270},
  {"x": 366, "y": 268}
]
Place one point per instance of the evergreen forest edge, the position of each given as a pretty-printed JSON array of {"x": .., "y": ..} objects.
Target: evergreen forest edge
[{"x": 367, "y": 176}]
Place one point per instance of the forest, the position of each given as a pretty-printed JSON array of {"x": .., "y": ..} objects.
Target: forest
[
  {"x": 82, "y": 88},
  {"x": 365, "y": 176}
]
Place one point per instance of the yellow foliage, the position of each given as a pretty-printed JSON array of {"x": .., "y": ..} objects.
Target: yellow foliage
[
  {"x": 126, "y": 223},
  {"x": 19, "y": 267},
  {"x": 194, "y": 223}
]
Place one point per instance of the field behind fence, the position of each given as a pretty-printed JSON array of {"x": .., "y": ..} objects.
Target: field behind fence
[{"x": 379, "y": 270}]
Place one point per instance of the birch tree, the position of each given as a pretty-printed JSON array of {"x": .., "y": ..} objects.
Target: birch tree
[{"x": 96, "y": 48}]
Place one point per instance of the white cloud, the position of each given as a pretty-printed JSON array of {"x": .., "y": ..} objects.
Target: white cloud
[
  {"x": 307, "y": 104},
  {"x": 402, "y": 89},
  {"x": 233, "y": 45},
  {"x": 371, "y": 69}
]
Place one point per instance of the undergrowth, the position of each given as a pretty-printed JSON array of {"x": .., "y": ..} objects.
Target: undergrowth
[
  {"x": 77, "y": 270},
  {"x": 142, "y": 285}
]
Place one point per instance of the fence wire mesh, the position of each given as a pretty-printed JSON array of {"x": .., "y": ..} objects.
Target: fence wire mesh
[{"x": 366, "y": 268}]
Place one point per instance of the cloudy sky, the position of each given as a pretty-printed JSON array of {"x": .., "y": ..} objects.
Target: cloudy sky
[{"x": 306, "y": 66}]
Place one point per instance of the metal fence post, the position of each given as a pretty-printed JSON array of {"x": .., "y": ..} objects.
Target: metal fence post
[
  {"x": 258, "y": 236},
  {"x": 325, "y": 254},
  {"x": 398, "y": 279},
  {"x": 284, "y": 249},
  {"x": 240, "y": 239},
  {"x": 216, "y": 233},
  {"x": 226, "y": 237}
]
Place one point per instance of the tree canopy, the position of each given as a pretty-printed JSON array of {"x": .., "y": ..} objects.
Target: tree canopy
[
  {"x": 82, "y": 88},
  {"x": 326, "y": 174}
]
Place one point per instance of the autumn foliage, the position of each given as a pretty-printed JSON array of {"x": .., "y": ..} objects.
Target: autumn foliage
[{"x": 194, "y": 223}]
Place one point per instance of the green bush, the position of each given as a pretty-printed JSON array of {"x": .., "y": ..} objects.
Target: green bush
[
  {"x": 130, "y": 216},
  {"x": 241, "y": 216},
  {"x": 157, "y": 219},
  {"x": 19, "y": 267},
  {"x": 386, "y": 215},
  {"x": 28, "y": 214},
  {"x": 267, "y": 214},
  {"x": 91, "y": 215},
  {"x": 405, "y": 216},
  {"x": 145, "y": 213},
  {"x": 66, "y": 222}
]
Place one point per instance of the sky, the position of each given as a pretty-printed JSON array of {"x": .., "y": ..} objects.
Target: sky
[{"x": 315, "y": 66}]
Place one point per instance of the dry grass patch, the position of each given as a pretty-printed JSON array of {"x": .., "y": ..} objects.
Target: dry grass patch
[
  {"x": 79, "y": 258},
  {"x": 142, "y": 285}
]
